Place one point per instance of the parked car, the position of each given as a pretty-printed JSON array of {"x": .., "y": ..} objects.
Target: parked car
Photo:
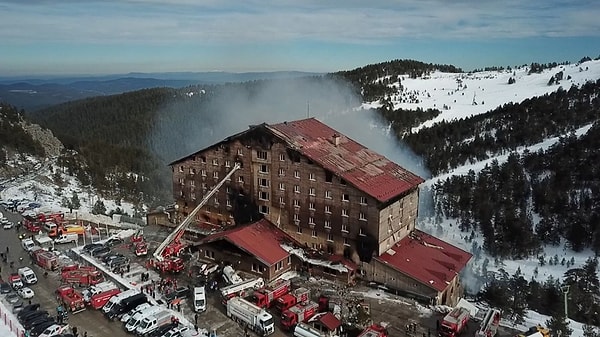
[
  {"x": 118, "y": 262},
  {"x": 54, "y": 330},
  {"x": 113, "y": 242},
  {"x": 5, "y": 288},
  {"x": 100, "y": 251},
  {"x": 12, "y": 298},
  {"x": 106, "y": 258},
  {"x": 8, "y": 225},
  {"x": 18, "y": 306},
  {"x": 25, "y": 292},
  {"x": 90, "y": 246},
  {"x": 180, "y": 292}
]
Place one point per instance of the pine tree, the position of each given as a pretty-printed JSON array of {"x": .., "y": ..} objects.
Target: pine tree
[
  {"x": 99, "y": 207},
  {"x": 75, "y": 204},
  {"x": 590, "y": 331},
  {"x": 559, "y": 325}
]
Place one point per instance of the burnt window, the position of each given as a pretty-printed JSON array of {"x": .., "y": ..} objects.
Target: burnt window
[
  {"x": 261, "y": 154},
  {"x": 328, "y": 177}
]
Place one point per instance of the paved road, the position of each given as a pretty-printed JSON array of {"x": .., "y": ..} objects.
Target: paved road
[{"x": 89, "y": 320}]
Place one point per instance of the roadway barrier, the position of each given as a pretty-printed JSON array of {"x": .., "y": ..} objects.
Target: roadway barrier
[{"x": 10, "y": 321}]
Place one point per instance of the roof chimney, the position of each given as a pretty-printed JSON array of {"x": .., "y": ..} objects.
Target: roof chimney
[{"x": 335, "y": 139}]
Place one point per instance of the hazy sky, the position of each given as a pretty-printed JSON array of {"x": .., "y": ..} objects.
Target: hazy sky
[{"x": 117, "y": 36}]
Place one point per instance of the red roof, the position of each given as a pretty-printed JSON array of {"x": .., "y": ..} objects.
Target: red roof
[
  {"x": 260, "y": 239},
  {"x": 367, "y": 170},
  {"x": 329, "y": 321},
  {"x": 427, "y": 259}
]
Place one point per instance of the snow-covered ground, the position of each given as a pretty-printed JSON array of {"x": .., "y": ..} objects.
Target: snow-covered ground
[{"x": 454, "y": 93}]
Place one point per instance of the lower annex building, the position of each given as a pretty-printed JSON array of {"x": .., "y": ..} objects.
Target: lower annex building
[{"x": 319, "y": 190}]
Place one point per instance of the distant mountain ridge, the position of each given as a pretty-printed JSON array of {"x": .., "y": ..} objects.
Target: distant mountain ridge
[{"x": 35, "y": 93}]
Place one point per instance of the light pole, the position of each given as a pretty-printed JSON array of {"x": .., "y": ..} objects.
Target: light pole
[{"x": 565, "y": 290}]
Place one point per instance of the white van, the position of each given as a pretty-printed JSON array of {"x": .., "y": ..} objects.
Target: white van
[
  {"x": 67, "y": 238},
  {"x": 138, "y": 317},
  {"x": 118, "y": 298},
  {"x": 27, "y": 275},
  {"x": 125, "y": 318},
  {"x": 199, "y": 299},
  {"x": 27, "y": 244}
]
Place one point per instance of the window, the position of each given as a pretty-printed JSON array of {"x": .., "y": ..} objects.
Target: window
[
  {"x": 204, "y": 186},
  {"x": 362, "y": 216},
  {"x": 264, "y": 168},
  {"x": 203, "y": 159},
  {"x": 241, "y": 179},
  {"x": 264, "y": 209},
  {"x": 181, "y": 181},
  {"x": 216, "y": 201},
  {"x": 281, "y": 186},
  {"x": 361, "y": 232},
  {"x": 330, "y": 237},
  {"x": 311, "y": 191},
  {"x": 261, "y": 154},
  {"x": 227, "y": 189},
  {"x": 262, "y": 182},
  {"x": 345, "y": 197},
  {"x": 346, "y": 242},
  {"x": 363, "y": 200},
  {"x": 311, "y": 206},
  {"x": 314, "y": 233},
  {"x": 311, "y": 176},
  {"x": 297, "y": 174},
  {"x": 281, "y": 172},
  {"x": 281, "y": 157},
  {"x": 344, "y": 228},
  {"x": 255, "y": 268},
  {"x": 216, "y": 175},
  {"x": 192, "y": 170},
  {"x": 193, "y": 196},
  {"x": 228, "y": 202},
  {"x": 299, "y": 230},
  {"x": 227, "y": 163},
  {"x": 263, "y": 196},
  {"x": 296, "y": 203},
  {"x": 328, "y": 177},
  {"x": 203, "y": 173},
  {"x": 215, "y": 162},
  {"x": 209, "y": 254},
  {"x": 328, "y": 194},
  {"x": 296, "y": 217},
  {"x": 344, "y": 212},
  {"x": 311, "y": 220},
  {"x": 296, "y": 188},
  {"x": 192, "y": 183},
  {"x": 328, "y": 209},
  {"x": 327, "y": 224},
  {"x": 281, "y": 201},
  {"x": 239, "y": 152},
  {"x": 181, "y": 169}
]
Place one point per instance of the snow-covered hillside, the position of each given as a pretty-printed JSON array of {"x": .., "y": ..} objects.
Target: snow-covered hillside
[{"x": 454, "y": 94}]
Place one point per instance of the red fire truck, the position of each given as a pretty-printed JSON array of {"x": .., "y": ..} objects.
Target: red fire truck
[
  {"x": 292, "y": 298},
  {"x": 298, "y": 313},
  {"x": 266, "y": 296},
  {"x": 454, "y": 322},
  {"x": 70, "y": 298}
]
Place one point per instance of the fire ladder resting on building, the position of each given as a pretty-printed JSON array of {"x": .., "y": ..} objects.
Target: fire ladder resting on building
[{"x": 165, "y": 256}]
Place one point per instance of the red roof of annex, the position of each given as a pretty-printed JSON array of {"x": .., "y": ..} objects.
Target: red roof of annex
[
  {"x": 367, "y": 170},
  {"x": 260, "y": 239},
  {"x": 427, "y": 259}
]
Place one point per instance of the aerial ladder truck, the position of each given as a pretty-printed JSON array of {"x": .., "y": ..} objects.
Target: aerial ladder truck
[{"x": 166, "y": 257}]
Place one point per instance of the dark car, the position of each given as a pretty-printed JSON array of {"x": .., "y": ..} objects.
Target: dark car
[
  {"x": 118, "y": 262},
  {"x": 100, "y": 251},
  {"x": 5, "y": 288},
  {"x": 113, "y": 242},
  {"x": 28, "y": 308},
  {"x": 38, "y": 329},
  {"x": 36, "y": 322},
  {"x": 12, "y": 298},
  {"x": 106, "y": 258},
  {"x": 17, "y": 307},
  {"x": 31, "y": 315},
  {"x": 91, "y": 246},
  {"x": 180, "y": 292},
  {"x": 162, "y": 330}
]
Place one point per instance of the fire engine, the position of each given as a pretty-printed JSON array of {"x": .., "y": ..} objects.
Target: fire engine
[
  {"x": 454, "y": 322},
  {"x": 165, "y": 258},
  {"x": 374, "y": 330},
  {"x": 489, "y": 324},
  {"x": 266, "y": 296}
]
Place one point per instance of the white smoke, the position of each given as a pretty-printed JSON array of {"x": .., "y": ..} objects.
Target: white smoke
[{"x": 186, "y": 127}]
